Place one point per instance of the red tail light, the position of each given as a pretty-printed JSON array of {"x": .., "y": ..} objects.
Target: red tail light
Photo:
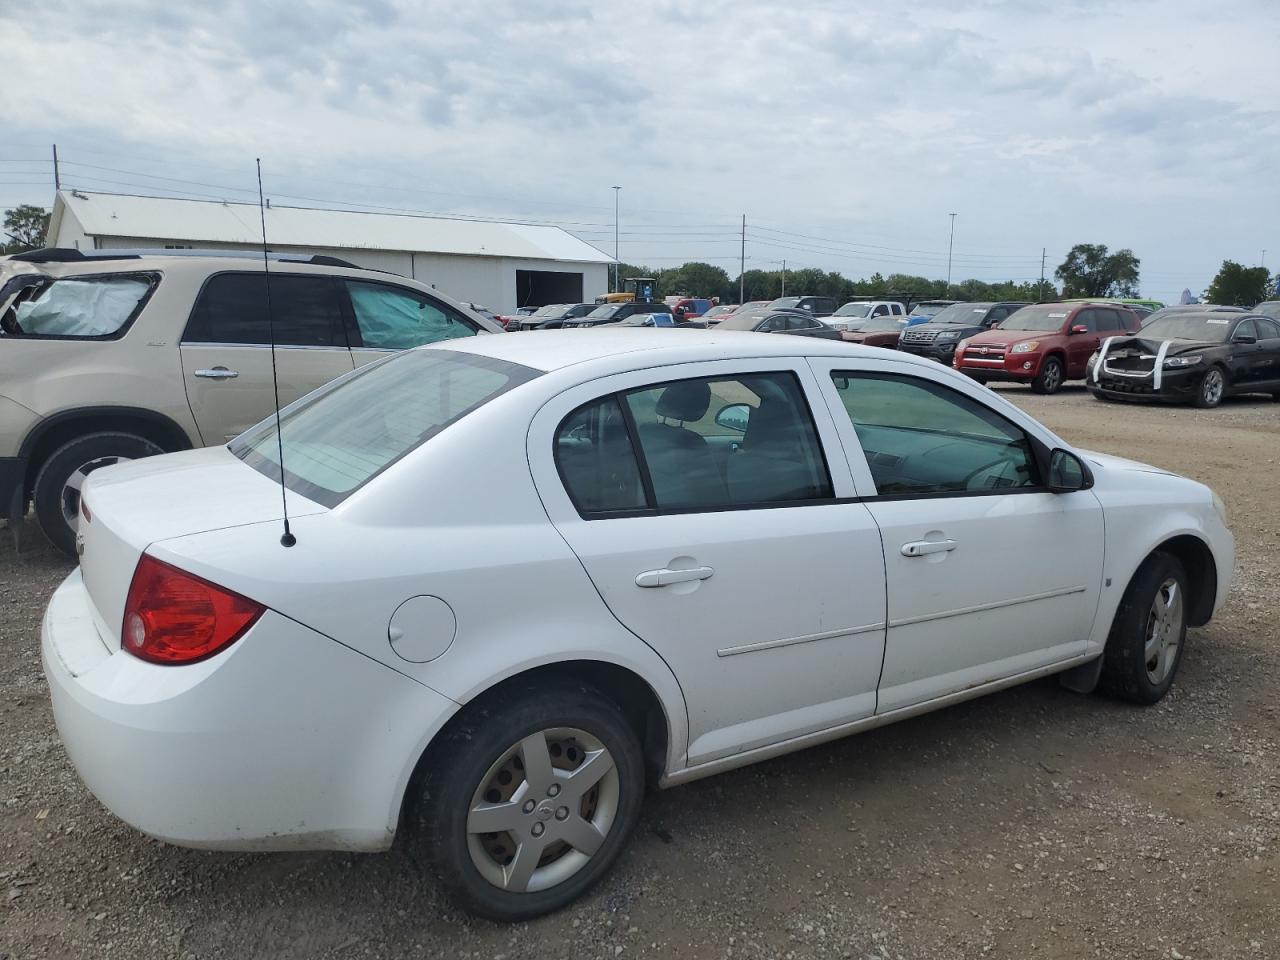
[{"x": 174, "y": 617}]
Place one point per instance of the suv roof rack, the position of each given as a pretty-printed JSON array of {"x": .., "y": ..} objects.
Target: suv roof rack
[{"x": 71, "y": 255}]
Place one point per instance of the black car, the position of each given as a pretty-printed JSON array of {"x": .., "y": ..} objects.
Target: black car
[
  {"x": 552, "y": 316},
  {"x": 617, "y": 312},
  {"x": 937, "y": 338},
  {"x": 1190, "y": 357},
  {"x": 797, "y": 322},
  {"x": 814, "y": 306}
]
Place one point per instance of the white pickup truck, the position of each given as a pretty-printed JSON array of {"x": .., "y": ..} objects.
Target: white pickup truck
[{"x": 854, "y": 314}]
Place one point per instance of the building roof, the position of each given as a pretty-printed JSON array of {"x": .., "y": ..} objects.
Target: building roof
[{"x": 212, "y": 221}]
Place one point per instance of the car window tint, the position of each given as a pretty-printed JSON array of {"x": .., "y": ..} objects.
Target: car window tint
[
  {"x": 1268, "y": 329},
  {"x": 596, "y": 460},
  {"x": 1086, "y": 318},
  {"x": 920, "y": 437},
  {"x": 392, "y": 318},
  {"x": 1245, "y": 329},
  {"x": 773, "y": 456},
  {"x": 232, "y": 308},
  {"x": 880, "y": 311}
]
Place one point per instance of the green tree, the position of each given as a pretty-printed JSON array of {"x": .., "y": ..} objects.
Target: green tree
[
  {"x": 1091, "y": 271},
  {"x": 1239, "y": 286},
  {"x": 25, "y": 227},
  {"x": 696, "y": 280}
]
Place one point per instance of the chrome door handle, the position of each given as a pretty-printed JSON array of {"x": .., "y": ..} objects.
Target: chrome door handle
[
  {"x": 663, "y": 577},
  {"x": 218, "y": 373},
  {"x": 922, "y": 548}
]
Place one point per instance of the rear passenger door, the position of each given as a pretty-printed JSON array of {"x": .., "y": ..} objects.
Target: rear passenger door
[
  {"x": 702, "y": 506},
  {"x": 384, "y": 318},
  {"x": 1269, "y": 340},
  {"x": 226, "y": 352}
]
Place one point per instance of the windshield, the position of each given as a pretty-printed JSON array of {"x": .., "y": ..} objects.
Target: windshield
[
  {"x": 928, "y": 308},
  {"x": 550, "y": 310},
  {"x": 341, "y": 436},
  {"x": 89, "y": 307},
  {"x": 786, "y": 302},
  {"x": 1269, "y": 309},
  {"x": 646, "y": 319},
  {"x": 1044, "y": 318},
  {"x": 719, "y": 311},
  {"x": 1212, "y": 327},
  {"x": 743, "y": 320},
  {"x": 970, "y": 314},
  {"x": 854, "y": 310},
  {"x": 608, "y": 310}
]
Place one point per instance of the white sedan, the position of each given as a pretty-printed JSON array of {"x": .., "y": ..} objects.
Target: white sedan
[{"x": 531, "y": 574}]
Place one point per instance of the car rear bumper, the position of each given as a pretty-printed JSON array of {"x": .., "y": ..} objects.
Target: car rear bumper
[
  {"x": 287, "y": 740},
  {"x": 13, "y": 501}
]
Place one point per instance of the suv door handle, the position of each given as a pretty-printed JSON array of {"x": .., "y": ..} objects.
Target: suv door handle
[
  {"x": 922, "y": 548},
  {"x": 218, "y": 373},
  {"x": 665, "y": 576}
]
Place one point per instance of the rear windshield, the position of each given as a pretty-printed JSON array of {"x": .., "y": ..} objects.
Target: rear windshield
[
  {"x": 928, "y": 308},
  {"x": 343, "y": 435},
  {"x": 98, "y": 308}
]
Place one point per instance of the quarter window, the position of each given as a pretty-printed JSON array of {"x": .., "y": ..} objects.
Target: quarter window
[
  {"x": 390, "y": 318},
  {"x": 703, "y": 444},
  {"x": 96, "y": 308},
  {"x": 922, "y": 438},
  {"x": 232, "y": 308}
]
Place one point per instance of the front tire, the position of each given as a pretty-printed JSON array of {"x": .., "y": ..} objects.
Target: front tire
[
  {"x": 528, "y": 802},
  {"x": 56, "y": 494},
  {"x": 1049, "y": 379},
  {"x": 1149, "y": 633},
  {"x": 1213, "y": 385}
]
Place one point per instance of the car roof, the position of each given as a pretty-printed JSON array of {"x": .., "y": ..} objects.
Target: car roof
[{"x": 613, "y": 350}]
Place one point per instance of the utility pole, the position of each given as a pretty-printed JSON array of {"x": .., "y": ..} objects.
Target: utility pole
[
  {"x": 950, "y": 244},
  {"x": 784, "y": 279},
  {"x": 616, "y": 192},
  {"x": 1040, "y": 290},
  {"x": 742, "y": 264},
  {"x": 57, "y": 180}
]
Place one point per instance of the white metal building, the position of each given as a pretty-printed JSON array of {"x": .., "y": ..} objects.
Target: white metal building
[{"x": 499, "y": 265}]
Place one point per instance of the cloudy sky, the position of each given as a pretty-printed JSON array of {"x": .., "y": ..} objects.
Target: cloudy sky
[{"x": 846, "y": 132}]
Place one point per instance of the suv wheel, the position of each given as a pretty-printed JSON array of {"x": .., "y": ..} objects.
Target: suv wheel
[
  {"x": 57, "y": 487},
  {"x": 1050, "y": 377},
  {"x": 527, "y": 804}
]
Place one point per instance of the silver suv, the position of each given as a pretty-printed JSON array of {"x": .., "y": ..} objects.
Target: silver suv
[{"x": 114, "y": 355}]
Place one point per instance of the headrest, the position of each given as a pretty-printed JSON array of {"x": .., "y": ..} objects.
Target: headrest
[{"x": 685, "y": 401}]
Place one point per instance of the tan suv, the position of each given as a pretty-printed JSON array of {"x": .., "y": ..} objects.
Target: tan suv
[{"x": 114, "y": 355}]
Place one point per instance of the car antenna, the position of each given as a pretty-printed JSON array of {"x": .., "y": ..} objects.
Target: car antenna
[{"x": 287, "y": 539}]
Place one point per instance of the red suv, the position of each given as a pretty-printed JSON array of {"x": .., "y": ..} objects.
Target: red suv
[{"x": 1043, "y": 344}]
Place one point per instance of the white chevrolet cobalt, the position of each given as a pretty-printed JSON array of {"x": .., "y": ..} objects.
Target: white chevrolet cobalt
[{"x": 532, "y": 574}]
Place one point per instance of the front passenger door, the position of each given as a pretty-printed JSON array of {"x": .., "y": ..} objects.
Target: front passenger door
[{"x": 989, "y": 575}]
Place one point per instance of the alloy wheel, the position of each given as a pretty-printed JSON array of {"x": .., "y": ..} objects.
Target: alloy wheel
[
  {"x": 1052, "y": 377},
  {"x": 542, "y": 810},
  {"x": 1164, "y": 631},
  {"x": 1211, "y": 387}
]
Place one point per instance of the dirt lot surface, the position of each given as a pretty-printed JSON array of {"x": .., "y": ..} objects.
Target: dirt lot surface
[{"x": 1032, "y": 823}]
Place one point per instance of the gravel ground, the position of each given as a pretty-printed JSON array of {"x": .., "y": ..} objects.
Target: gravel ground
[{"x": 1031, "y": 823}]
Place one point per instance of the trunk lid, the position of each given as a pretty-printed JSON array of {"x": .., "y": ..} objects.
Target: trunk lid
[{"x": 136, "y": 504}]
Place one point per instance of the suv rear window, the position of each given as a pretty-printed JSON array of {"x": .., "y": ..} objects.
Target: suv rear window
[
  {"x": 340, "y": 437},
  {"x": 95, "y": 308}
]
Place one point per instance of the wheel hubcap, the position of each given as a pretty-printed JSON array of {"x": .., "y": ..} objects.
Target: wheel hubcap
[
  {"x": 1164, "y": 631},
  {"x": 542, "y": 810},
  {"x": 1212, "y": 386},
  {"x": 70, "y": 500},
  {"x": 1051, "y": 377}
]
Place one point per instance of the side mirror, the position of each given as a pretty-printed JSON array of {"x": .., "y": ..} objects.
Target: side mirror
[
  {"x": 1079, "y": 328},
  {"x": 1067, "y": 472},
  {"x": 1243, "y": 338},
  {"x": 734, "y": 417}
]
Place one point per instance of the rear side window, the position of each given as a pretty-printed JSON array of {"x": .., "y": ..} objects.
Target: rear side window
[
  {"x": 232, "y": 308},
  {"x": 92, "y": 308},
  {"x": 392, "y": 318},
  {"x": 343, "y": 435}
]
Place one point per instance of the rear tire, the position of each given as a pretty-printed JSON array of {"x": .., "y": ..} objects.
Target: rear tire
[
  {"x": 480, "y": 766},
  {"x": 1213, "y": 386},
  {"x": 56, "y": 494},
  {"x": 1049, "y": 379},
  {"x": 1149, "y": 633}
]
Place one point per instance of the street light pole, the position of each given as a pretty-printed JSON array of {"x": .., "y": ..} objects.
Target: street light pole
[
  {"x": 616, "y": 191},
  {"x": 950, "y": 244}
]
